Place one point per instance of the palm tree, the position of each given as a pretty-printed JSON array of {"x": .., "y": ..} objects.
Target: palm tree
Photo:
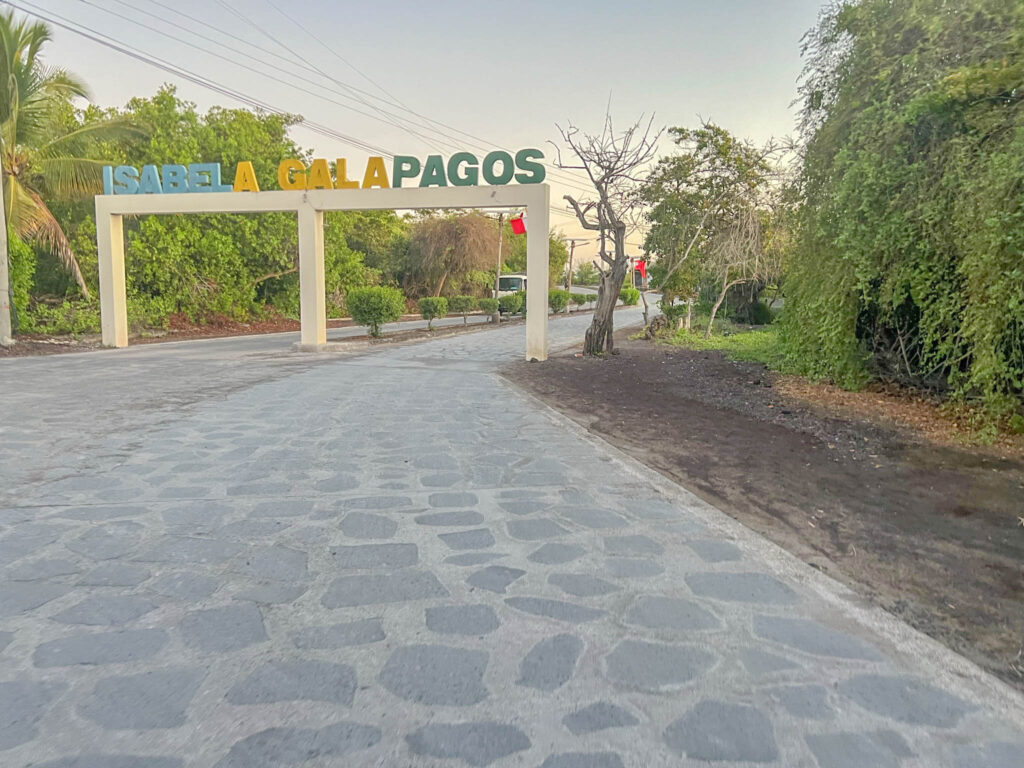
[{"x": 42, "y": 153}]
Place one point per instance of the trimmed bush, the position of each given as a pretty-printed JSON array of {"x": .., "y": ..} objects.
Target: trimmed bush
[
  {"x": 461, "y": 305},
  {"x": 431, "y": 307},
  {"x": 511, "y": 303},
  {"x": 558, "y": 300},
  {"x": 375, "y": 306},
  {"x": 488, "y": 306},
  {"x": 579, "y": 299},
  {"x": 630, "y": 296}
]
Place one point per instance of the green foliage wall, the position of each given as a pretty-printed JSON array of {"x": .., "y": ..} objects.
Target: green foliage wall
[{"x": 909, "y": 259}]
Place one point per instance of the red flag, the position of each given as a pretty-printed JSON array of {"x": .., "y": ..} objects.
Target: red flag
[{"x": 518, "y": 224}]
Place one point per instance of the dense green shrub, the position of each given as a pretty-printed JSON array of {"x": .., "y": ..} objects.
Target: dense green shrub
[
  {"x": 558, "y": 300},
  {"x": 757, "y": 313},
  {"x": 629, "y": 295},
  {"x": 511, "y": 303},
  {"x": 488, "y": 306},
  {"x": 432, "y": 307},
  {"x": 578, "y": 299},
  {"x": 461, "y": 305},
  {"x": 375, "y": 306},
  {"x": 74, "y": 317}
]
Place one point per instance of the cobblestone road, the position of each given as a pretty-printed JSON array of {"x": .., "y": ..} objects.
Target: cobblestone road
[{"x": 215, "y": 554}]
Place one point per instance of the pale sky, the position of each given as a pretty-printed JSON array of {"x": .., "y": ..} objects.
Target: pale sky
[{"x": 504, "y": 72}]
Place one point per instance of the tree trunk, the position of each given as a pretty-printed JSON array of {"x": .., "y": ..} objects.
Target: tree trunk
[
  {"x": 440, "y": 285},
  {"x": 689, "y": 314},
  {"x": 714, "y": 310},
  {"x": 599, "y": 335},
  {"x": 643, "y": 297}
]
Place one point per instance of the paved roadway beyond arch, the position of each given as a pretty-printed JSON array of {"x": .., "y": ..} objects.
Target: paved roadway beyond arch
[{"x": 223, "y": 553}]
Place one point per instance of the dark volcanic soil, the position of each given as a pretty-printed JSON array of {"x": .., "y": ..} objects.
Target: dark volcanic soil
[{"x": 933, "y": 534}]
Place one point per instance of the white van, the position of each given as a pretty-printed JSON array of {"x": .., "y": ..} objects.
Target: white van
[{"x": 508, "y": 284}]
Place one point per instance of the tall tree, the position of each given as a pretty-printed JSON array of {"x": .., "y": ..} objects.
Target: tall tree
[
  {"x": 449, "y": 246},
  {"x": 42, "y": 156},
  {"x": 615, "y": 163}
]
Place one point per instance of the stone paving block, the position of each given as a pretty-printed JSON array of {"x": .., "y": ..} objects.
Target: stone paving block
[
  {"x": 851, "y": 750},
  {"x": 22, "y": 705},
  {"x": 534, "y": 529},
  {"x": 523, "y": 507},
  {"x": 100, "y": 648},
  {"x": 96, "y": 760},
  {"x": 375, "y": 556},
  {"x": 101, "y": 512},
  {"x": 220, "y": 630},
  {"x": 451, "y": 519},
  {"x": 154, "y": 699},
  {"x": 761, "y": 663},
  {"x": 266, "y": 488},
  {"x": 106, "y": 610},
  {"x": 550, "y": 663},
  {"x": 338, "y": 483},
  {"x": 461, "y": 619},
  {"x": 182, "y": 549},
  {"x": 477, "y": 743},
  {"x": 582, "y": 584},
  {"x": 109, "y": 541},
  {"x": 296, "y": 681},
  {"x": 436, "y": 675},
  {"x": 272, "y": 594},
  {"x": 289, "y": 507},
  {"x": 905, "y": 699},
  {"x": 584, "y": 760},
  {"x": 5, "y": 640},
  {"x": 992, "y": 755},
  {"x": 115, "y": 575},
  {"x": 339, "y": 635},
  {"x": 807, "y": 701},
  {"x": 276, "y": 747},
  {"x": 631, "y": 546},
  {"x": 714, "y": 551},
  {"x": 40, "y": 570},
  {"x": 554, "y": 609},
  {"x": 441, "y": 480},
  {"x": 812, "y": 637},
  {"x": 554, "y": 553},
  {"x": 670, "y": 613},
  {"x": 365, "y": 525},
  {"x": 377, "y": 589},
  {"x": 598, "y": 717},
  {"x": 376, "y": 502},
  {"x": 592, "y": 517},
  {"x": 184, "y": 585},
  {"x": 247, "y": 530},
  {"x": 717, "y": 730},
  {"x": 655, "y": 666},
  {"x": 633, "y": 568},
  {"x": 495, "y": 578},
  {"x": 742, "y": 588},
  {"x": 273, "y": 563},
  {"x": 480, "y": 538}
]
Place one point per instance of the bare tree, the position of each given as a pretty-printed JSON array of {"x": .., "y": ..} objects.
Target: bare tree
[
  {"x": 614, "y": 164},
  {"x": 449, "y": 246}
]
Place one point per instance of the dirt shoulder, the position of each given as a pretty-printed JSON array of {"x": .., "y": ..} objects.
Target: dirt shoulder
[{"x": 930, "y": 532}]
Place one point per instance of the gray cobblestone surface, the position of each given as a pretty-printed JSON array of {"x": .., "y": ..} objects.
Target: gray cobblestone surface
[{"x": 226, "y": 554}]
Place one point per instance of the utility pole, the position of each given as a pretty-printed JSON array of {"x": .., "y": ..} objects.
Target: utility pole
[
  {"x": 497, "y": 273},
  {"x": 6, "y": 336},
  {"x": 568, "y": 282}
]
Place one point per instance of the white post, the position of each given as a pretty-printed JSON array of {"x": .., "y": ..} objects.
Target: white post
[
  {"x": 312, "y": 286},
  {"x": 113, "y": 301},
  {"x": 537, "y": 217}
]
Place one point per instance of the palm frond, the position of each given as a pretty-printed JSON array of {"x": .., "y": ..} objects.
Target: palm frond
[{"x": 70, "y": 178}]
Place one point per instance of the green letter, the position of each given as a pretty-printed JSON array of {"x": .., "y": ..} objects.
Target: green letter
[
  {"x": 507, "y": 167},
  {"x": 433, "y": 172},
  {"x": 535, "y": 172},
  {"x": 472, "y": 176},
  {"x": 405, "y": 167}
]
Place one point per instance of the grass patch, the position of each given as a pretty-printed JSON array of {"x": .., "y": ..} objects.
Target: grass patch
[{"x": 751, "y": 345}]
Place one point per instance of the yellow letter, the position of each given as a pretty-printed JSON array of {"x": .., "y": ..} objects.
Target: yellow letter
[
  {"x": 285, "y": 178},
  {"x": 341, "y": 179},
  {"x": 245, "y": 178},
  {"x": 319, "y": 175},
  {"x": 376, "y": 174}
]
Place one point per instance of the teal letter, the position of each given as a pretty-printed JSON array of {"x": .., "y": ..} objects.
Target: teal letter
[
  {"x": 433, "y": 172},
  {"x": 199, "y": 177},
  {"x": 535, "y": 173},
  {"x": 471, "y": 179},
  {"x": 507, "y": 167},
  {"x": 108, "y": 180},
  {"x": 215, "y": 185},
  {"x": 175, "y": 178},
  {"x": 405, "y": 167},
  {"x": 149, "y": 182},
  {"x": 126, "y": 180}
]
